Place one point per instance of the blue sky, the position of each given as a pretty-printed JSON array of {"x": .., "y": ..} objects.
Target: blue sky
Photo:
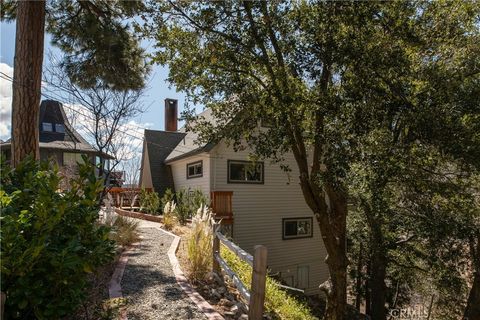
[{"x": 154, "y": 97}]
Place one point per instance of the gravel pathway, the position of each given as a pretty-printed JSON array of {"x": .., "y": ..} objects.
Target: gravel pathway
[{"x": 149, "y": 284}]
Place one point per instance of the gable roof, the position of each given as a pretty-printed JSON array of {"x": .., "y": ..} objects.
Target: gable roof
[
  {"x": 160, "y": 144},
  {"x": 189, "y": 145}
]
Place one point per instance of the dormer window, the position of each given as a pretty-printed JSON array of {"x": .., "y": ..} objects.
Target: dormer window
[
  {"x": 59, "y": 128},
  {"x": 47, "y": 126}
]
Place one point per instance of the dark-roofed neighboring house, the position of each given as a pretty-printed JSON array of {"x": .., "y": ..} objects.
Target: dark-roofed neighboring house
[
  {"x": 58, "y": 140},
  {"x": 260, "y": 202}
]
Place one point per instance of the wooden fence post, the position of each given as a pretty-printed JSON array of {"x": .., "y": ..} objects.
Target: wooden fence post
[
  {"x": 215, "y": 249},
  {"x": 259, "y": 275}
]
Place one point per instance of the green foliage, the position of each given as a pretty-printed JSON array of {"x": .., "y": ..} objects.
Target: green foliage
[
  {"x": 167, "y": 197},
  {"x": 278, "y": 303},
  {"x": 149, "y": 201},
  {"x": 188, "y": 202},
  {"x": 378, "y": 101},
  {"x": 100, "y": 48},
  {"x": 50, "y": 240},
  {"x": 124, "y": 231},
  {"x": 199, "y": 245}
]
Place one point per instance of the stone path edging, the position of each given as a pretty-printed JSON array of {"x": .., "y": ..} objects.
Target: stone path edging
[
  {"x": 114, "y": 287},
  {"x": 201, "y": 303}
]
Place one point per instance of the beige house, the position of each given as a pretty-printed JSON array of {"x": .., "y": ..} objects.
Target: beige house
[{"x": 265, "y": 203}]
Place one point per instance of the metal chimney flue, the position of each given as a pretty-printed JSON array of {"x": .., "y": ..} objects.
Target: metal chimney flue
[{"x": 171, "y": 114}]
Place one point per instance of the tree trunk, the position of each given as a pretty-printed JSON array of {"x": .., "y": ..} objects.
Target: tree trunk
[
  {"x": 27, "y": 76},
  {"x": 335, "y": 288},
  {"x": 358, "y": 283},
  {"x": 472, "y": 311},
  {"x": 378, "y": 288},
  {"x": 334, "y": 238}
]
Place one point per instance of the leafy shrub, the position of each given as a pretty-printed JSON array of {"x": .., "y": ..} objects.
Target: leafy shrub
[
  {"x": 50, "y": 240},
  {"x": 124, "y": 231},
  {"x": 167, "y": 197},
  {"x": 278, "y": 303},
  {"x": 188, "y": 201},
  {"x": 183, "y": 207},
  {"x": 169, "y": 218},
  {"x": 149, "y": 201},
  {"x": 199, "y": 245}
]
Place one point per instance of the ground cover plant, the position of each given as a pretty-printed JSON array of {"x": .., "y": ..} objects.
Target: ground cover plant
[
  {"x": 278, "y": 303},
  {"x": 50, "y": 239}
]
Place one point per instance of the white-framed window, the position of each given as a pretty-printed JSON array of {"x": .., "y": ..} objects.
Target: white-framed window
[
  {"x": 59, "y": 128},
  {"x": 245, "y": 172},
  {"x": 296, "y": 228},
  {"x": 70, "y": 158},
  {"x": 195, "y": 169},
  {"x": 47, "y": 126}
]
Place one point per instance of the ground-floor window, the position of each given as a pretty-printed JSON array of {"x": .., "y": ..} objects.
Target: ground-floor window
[{"x": 295, "y": 228}]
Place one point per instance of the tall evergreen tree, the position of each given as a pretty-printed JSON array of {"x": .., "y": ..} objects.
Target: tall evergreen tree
[{"x": 99, "y": 46}]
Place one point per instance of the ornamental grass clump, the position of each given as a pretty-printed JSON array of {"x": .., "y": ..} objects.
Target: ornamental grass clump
[
  {"x": 125, "y": 231},
  {"x": 199, "y": 245},
  {"x": 169, "y": 218}
]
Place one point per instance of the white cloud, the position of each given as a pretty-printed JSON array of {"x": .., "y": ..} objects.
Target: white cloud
[{"x": 5, "y": 100}]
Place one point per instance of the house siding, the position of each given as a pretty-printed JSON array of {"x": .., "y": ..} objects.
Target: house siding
[
  {"x": 258, "y": 212},
  {"x": 179, "y": 173}
]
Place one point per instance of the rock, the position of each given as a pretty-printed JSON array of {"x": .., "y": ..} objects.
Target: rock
[
  {"x": 222, "y": 290},
  {"x": 243, "y": 317},
  {"x": 229, "y": 314},
  {"x": 226, "y": 302},
  {"x": 234, "y": 309},
  {"x": 215, "y": 294},
  {"x": 241, "y": 307}
]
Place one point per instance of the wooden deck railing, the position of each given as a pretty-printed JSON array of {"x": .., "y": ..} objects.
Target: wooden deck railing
[
  {"x": 126, "y": 197},
  {"x": 258, "y": 262}
]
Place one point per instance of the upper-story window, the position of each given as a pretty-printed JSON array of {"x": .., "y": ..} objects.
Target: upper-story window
[
  {"x": 47, "y": 126},
  {"x": 245, "y": 171},
  {"x": 194, "y": 169},
  {"x": 59, "y": 128}
]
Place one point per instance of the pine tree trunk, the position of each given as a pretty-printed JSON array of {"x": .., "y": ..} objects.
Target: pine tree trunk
[{"x": 27, "y": 78}]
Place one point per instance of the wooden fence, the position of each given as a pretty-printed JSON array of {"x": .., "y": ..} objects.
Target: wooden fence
[{"x": 258, "y": 262}]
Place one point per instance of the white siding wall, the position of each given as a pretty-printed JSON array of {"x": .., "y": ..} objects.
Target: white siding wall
[
  {"x": 179, "y": 172},
  {"x": 258, "y": 212}
]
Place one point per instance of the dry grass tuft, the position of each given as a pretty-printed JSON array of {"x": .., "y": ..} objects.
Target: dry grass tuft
[
  {"x": 125, "y": 231},
  {"x": 199, "y": 245}
]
